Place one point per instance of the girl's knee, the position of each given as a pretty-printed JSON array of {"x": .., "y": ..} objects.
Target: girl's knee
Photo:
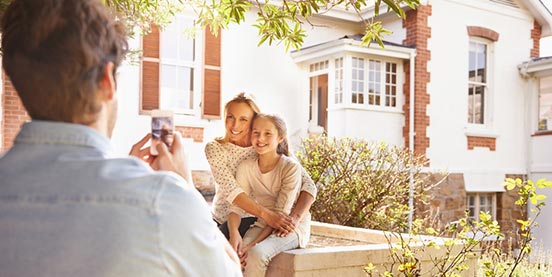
[{"x": 257, "y": 256}]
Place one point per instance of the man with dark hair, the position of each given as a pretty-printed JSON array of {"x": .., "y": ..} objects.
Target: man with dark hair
[{"x": 67, "y": 208}]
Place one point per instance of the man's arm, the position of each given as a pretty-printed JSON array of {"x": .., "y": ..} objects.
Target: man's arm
[{"x": 186, "y": 229}]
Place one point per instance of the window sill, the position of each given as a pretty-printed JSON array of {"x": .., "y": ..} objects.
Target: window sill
[
  {"x": 542, "y": 133},
  {"x": 480, "y": 132},
  {"x": 338, "y": 107}
]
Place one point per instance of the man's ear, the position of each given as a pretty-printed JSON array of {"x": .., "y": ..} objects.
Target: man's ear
[{"x": 107, "y": 82}]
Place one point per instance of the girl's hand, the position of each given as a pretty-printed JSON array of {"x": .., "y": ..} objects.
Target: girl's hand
[{"x": 247, "y": 247}]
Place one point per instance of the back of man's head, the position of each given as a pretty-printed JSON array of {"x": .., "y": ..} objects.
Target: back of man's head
[{"x": 54, "y": 52}]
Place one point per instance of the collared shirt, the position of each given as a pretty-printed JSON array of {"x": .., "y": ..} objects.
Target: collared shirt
[
  {"x": 224, "y": 159},
  {"x": 68, "y": 208}
]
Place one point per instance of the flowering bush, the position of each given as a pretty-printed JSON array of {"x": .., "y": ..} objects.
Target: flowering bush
[{"x": 362, "y": 184}]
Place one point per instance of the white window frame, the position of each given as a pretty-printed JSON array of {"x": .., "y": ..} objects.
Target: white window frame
[
  {"x": 486, "y": 128},
  {"x": 381, "y": 83},
  {"x": 347, "y": 83},
  {"x": 195, "y": 65},
  {"x": 314, "y": 71},
  {"x": 544, "y": 118},
  {"x": 477, "y": 205}
]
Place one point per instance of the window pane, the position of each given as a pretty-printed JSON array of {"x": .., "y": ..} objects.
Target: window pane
[
  {"x": 545, "y": 104},
  {"x": 470, "y": 205},
  {"x": 481, "y": 63},
  {"x": 176, "y": 87},
  {"x": 479, "y": 99},
  {"x": 357, "y": 82},
  {"x": 176, "y": 41},
  {"x": 485, "y": 204},
  {"x": 338, "y": 80},
  {"x": 168, "y": 76},
  {"x": 390, "y": 85},
  {"x": 472, "y": 65},
  {"x": 478, "y": 62},
  {"x": 476, "y": 104},
  {"x": 185, "y": 41},
  {"x": 374, "y": 82}
]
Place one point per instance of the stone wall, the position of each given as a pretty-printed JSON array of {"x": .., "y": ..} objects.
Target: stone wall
[
  {"x": 448, "y": 204},
  {"x": 205, "y": 183}
]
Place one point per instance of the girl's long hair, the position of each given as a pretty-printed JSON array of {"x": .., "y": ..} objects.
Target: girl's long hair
[
  {"x": 241, "y": 97},
  {"x": 280, "y": 124}
]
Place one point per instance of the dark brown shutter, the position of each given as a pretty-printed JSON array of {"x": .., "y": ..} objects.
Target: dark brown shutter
[
  {"x": 150, "y": 70},
  {"x": 211, "y": 76}
]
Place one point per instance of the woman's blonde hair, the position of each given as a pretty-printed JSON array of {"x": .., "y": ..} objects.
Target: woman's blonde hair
[
  {"x": 242, "y": 97},
  {"x": 280, "y": 124}
]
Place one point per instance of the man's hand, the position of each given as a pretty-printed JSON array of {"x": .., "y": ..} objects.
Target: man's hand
[
  {"x": 175, "y": 159},
  {"x": 280, "y": 221},
  {"x": 139, "y": 151}
]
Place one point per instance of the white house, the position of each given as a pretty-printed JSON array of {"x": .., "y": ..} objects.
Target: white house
[{"x": 459, "y": 81}]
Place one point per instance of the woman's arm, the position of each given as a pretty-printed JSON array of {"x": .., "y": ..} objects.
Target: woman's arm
[
  {"x": 234, "y": 221},
  {"x": 274, "y": 219},
  {"x": 236, "y": 240}
]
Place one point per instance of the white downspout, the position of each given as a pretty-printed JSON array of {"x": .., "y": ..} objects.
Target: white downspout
[
  {"x": 528, "y": 118},
  {"x": 411, "y": 134}
]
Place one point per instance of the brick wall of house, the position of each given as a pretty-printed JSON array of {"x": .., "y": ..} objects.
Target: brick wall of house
[
  {"x": 535, "y": 36},
  {"x": 481, "y": 142},
  {"x": 417, "y": 34},
  {"x": 13, "y": 114},
  {"x": 478, "y": 31},
  {"x": 195, "y": 133}
]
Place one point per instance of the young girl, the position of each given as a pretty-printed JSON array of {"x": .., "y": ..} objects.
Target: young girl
[{"x": 274, "y": 181}]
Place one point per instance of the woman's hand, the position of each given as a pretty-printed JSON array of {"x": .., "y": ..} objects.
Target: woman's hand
[
  {"x": 286, "y": 232},
  {"x": 236, "y": 242},
  {"x": 280, "y": 221}
]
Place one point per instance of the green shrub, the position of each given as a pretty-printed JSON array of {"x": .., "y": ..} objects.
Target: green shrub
[
  {"x": 362, "y": 184},
  {"x": 463, "y": 244}
]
